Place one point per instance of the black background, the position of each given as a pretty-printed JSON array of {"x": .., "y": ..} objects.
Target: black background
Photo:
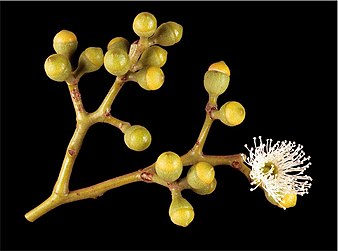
[{"x": 282, "y": 57}]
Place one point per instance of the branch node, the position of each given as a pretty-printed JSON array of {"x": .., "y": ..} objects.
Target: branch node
[
  {"x": 146, "y": 177},
  {"x": 236, "y": 164},
  {"x": 209, "y": 108},
  {"x": 71, "y": 152}
]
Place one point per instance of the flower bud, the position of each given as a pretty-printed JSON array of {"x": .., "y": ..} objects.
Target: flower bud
[
  {"x": 289, "y": 200},
  {"x": 216, "y": 81},
  {"x": 119, "y": 43},
  {"x": 58, "y": 67},
  {"x": 208, "y": 189},
  {"x": 117, "y": 62},
  {"x": 169, "y": 166},
  {"x": 232, "y": 113},
  {"x": 153, "y": 56},
  {"x": 144, "y": 24},
  {"x": 200, "y": 175},
  {"x": 181, "y": 211},
  {"x": 137, "y": 138},
  {"x": 90, "y": 60},
  {"x": 150, "y": 78},
  {"x": 167, "y": 34},
  {"x": 65, "y": 42}
]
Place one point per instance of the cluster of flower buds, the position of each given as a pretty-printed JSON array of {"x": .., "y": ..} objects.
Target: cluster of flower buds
[
  {"x": 200, "y": 178},
  {"x": 216, "y": 81},
  {"x": 58, "y": 66},
  {"x": 120, "y": 60}
]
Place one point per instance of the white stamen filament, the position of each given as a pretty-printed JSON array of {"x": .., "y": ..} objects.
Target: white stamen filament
[{"x": 286, "y": 161}]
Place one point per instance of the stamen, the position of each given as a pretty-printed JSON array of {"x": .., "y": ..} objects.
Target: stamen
[{"x": 286, "y": 171}]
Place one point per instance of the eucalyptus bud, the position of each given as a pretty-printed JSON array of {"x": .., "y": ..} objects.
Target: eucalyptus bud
[
  {"x": 289, "y": 200},
  {"x": 90, "y": 60},
  {"x": 169, "y": 166},
  {"x": 167, "y": 34},
  {"x": 181, "y": 211},
  {"x": 200, "y": 175},
  {"x": 216, "y": 79},
  {"x": 232, "y": 113},
  {"x": 144, "y": 24},
  {"x": 137, "y": 138},
  {"x": 150, "y": 78},
  {"x": 117, "y": 62},
  {"x": 65, "y": 42},
  {"x": 153, "y": 56},
  {"x": 58, "y": 67},
  {"x": 208, "y": 189}
]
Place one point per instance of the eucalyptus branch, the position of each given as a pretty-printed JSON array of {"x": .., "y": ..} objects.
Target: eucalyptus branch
[{"x": 141, "y": 62}]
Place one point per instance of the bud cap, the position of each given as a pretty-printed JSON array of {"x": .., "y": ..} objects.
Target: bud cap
[
  {"x": 220, "y": 67},
  {"x": 65, "y": 42}
]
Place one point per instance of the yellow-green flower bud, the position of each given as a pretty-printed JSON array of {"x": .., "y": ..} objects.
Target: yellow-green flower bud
[
  {"x": 181, "y": 211},
  {"x": 65, "y": 42},
  {"x": 169, "y": 166},
  {"x": 216, "y": 81},
  {"x": 200, "y": 175},
  {"x": 232, "y": 113},
  {"x": 289, "y": 200},
  {"x": 144, "y": 24},
  {"x": 58, "y": 67},
  {"x": 153, "y": 56},
  {"x": 117, "y": 62},
  {"x": 90, "y": 60},
  {"x": 137, "y": 138},
  {"x": 208, "y": 189},
  {"x": 119, "y": 43},
  {"x": 167, "y": 34},
  {"x": 150, "y": 78}
]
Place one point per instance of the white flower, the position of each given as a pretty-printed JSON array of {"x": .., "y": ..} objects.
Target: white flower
[{"x": 279, "y": 168}]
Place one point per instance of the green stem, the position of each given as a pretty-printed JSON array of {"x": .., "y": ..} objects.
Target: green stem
[
  {"x": 110, "y": 97},
  {"x": 74, "y": 146},
  {"x": 122, "y": 125},
  {"x": 147, "y": 175},
  {"x": 94, "y": 191},
  {"x": 76, "y": 99},
  {"x": 136, "y": 49},
  {"x": 198, "y": 147}
]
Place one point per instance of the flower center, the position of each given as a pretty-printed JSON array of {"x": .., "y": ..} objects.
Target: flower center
[{"x": 270, "y": 167}]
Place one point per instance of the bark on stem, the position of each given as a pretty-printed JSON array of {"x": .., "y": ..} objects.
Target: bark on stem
[
  {"x": 94, "y": 191},
  {"x": 76, "y": 99}
]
